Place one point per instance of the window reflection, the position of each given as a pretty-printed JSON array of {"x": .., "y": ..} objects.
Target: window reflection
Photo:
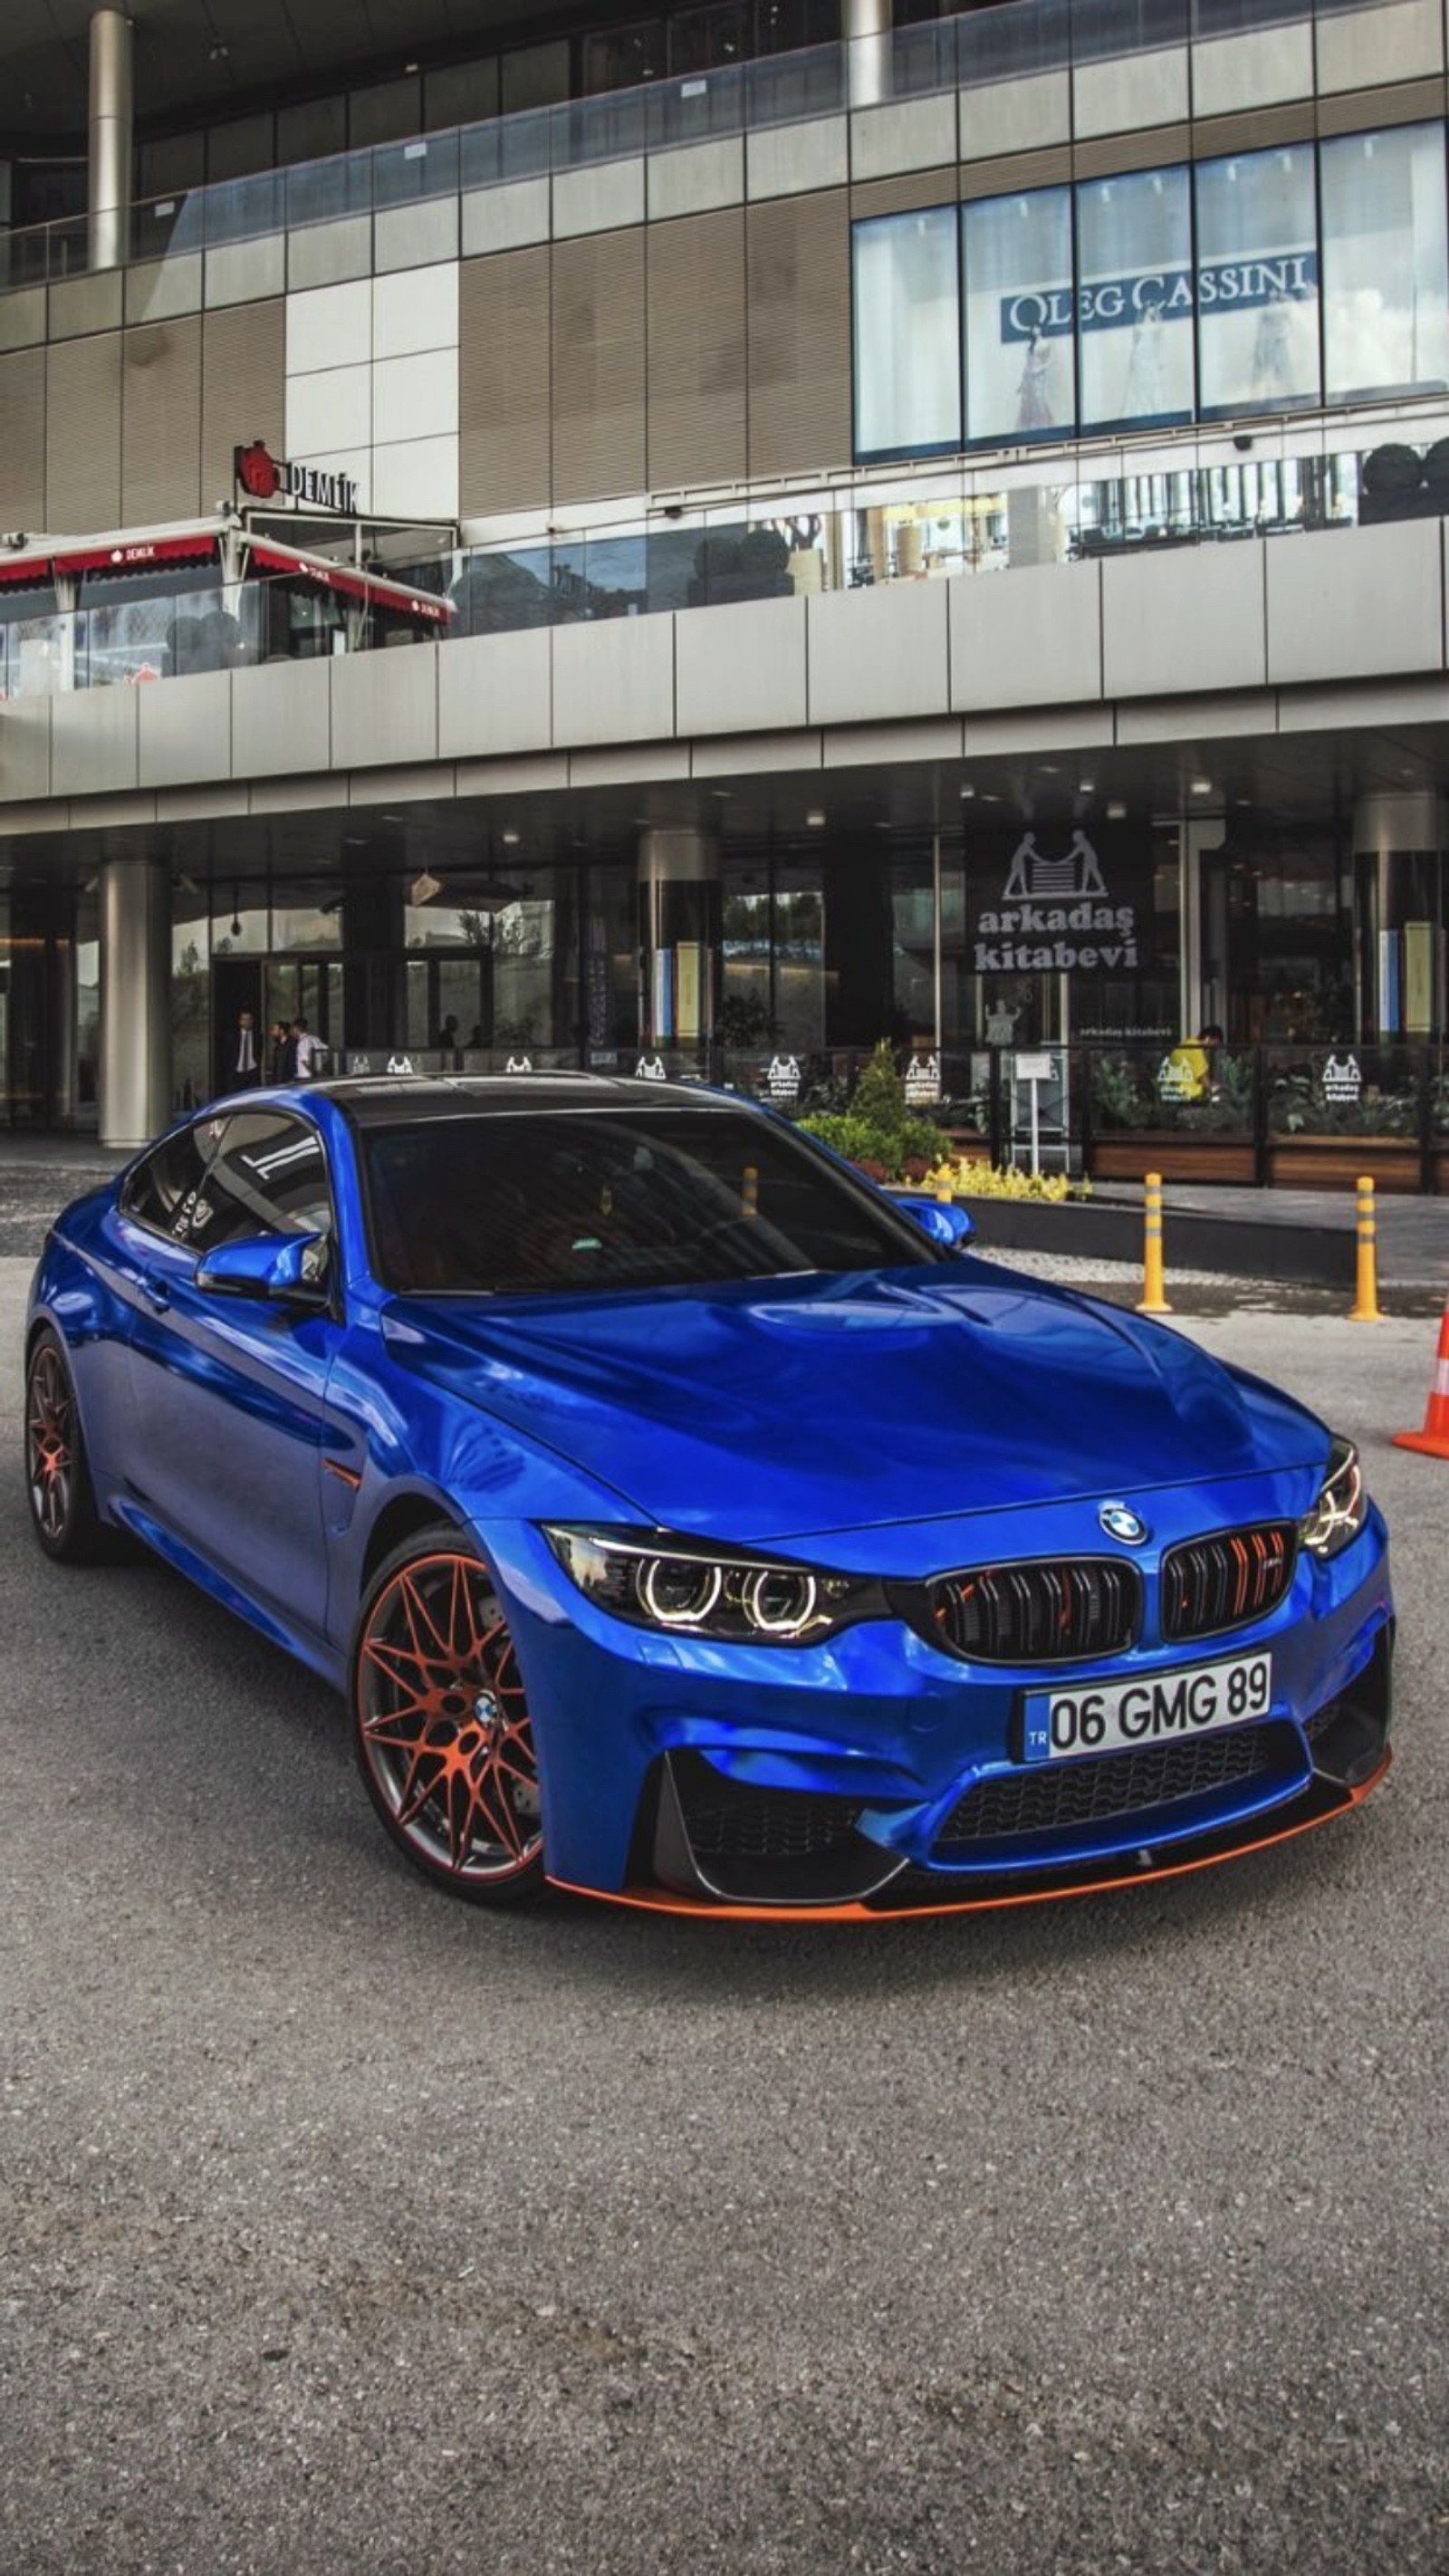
[
  {"x": 1385, "y": 263},
  {"x": 907, "y": 347},
  {"x": 1020, "y": 339},
  {"x": 1257, "y": 282},
  {"x": 1135, "y": 299}
]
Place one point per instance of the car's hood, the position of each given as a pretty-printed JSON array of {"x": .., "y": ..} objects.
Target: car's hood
[{"x": 766, "y": 1410}]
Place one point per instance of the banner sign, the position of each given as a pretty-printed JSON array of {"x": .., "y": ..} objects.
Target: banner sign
[
  {"x": 264, "y": 477},
  {"x": 1056, "y": 916},
  {"x": 1170, "y": 293}
]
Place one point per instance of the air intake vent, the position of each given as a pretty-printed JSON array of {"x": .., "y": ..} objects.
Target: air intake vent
[
  {"x": 1210, "y": 1584},
  {"x": 1053, "y": 1796}
]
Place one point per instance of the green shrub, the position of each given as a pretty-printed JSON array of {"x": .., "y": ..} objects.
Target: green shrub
[{"x": 887, "y": 1150}]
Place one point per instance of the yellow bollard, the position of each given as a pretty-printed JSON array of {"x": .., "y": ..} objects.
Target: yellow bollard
[
  {"x": 945, "y": 1188},
  {"x": 1365, "y": 1307},
  {"x": 1152, "y": 1301}
]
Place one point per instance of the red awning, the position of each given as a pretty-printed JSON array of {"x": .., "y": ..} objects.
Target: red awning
[
  {"x": 137, "y": 554},
  {"x": 26, "y": 572},
  {"x": 370, "y": 587}
]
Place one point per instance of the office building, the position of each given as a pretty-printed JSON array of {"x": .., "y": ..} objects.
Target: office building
[{"x": 710, "y": 539}]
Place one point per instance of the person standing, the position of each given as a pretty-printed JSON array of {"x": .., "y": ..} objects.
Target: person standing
[
  {"x": 281, "y": 1053},
  {"x": 311, "y": 1053},
  {"x": 245, "y": 1065}
]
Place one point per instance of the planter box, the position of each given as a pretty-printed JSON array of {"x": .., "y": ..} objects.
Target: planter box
[
  {"x": 1178, "y": 1157},
  {"x": 1335, "y": 1163}
]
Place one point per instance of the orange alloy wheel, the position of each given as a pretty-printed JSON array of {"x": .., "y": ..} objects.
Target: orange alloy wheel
[
  {"x": 50, "y": 1429},
  {"x": 443, "y": 1731},
  {"x": 62, "y": 1502}
]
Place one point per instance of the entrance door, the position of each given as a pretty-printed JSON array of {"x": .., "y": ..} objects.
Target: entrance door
[
  {"x": 236, "y": 986},
  {"x": 273, "y": 989},
  {"x": 310, "y": 989}
]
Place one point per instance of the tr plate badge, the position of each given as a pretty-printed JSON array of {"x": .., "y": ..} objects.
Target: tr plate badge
[{"x": 1120, "y": 1523}]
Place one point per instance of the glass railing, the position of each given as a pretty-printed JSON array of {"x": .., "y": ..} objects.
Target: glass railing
[
  {"x": 799, "y": 546},
  {"x": 1011, "y": 41},
  {"x": 118, "y": 641},
  {"x": 914, "y": 528}
]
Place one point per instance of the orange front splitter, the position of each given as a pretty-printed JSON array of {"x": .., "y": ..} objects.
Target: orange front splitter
[{"x": 654, "y": 1900}]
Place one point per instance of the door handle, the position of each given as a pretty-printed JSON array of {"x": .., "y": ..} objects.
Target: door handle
[{"x": 155, "y": 1292}]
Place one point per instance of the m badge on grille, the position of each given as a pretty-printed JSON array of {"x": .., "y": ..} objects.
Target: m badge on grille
[{"x": 1120, "y": 1523}]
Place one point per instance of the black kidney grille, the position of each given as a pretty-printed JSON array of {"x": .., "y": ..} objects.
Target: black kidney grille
[
  {"x": 1053, "y": 1795},
  {"x": 1209, "y": 1584},
  {"x": 1038, "y": 1614}
]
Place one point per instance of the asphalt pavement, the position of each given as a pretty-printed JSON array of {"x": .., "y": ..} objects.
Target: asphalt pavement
[{"x": 345, "y": 2229}]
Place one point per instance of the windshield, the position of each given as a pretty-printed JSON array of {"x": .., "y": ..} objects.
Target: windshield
[{"x": 654, "y": 1197}]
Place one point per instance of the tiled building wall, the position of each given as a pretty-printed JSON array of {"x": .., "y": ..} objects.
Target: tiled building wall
[
  {"x": 694, "y": 352},
  {"x": 576, "y": 353}
]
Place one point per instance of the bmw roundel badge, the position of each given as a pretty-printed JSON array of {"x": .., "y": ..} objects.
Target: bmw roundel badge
[{"x": 1120, "y": 1523}]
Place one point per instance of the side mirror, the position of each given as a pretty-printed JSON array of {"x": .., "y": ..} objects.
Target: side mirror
[
  {"x": 945, "y": 1222},
  {"x": 290, "y": 1270}
]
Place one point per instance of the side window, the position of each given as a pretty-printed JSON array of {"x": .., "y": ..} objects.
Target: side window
[
  {"x": 163, "y": 1190},
  {"x": 225, "y": 1178},
  {"x": 267, "y": 1176}
]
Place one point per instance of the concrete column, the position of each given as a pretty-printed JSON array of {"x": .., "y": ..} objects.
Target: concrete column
[
  {"x": 679, "y": 937},
  {"x": 868, "y": 34},
  {"x": 109, "y": 129},
  {"x": 135, "y": 1038}
]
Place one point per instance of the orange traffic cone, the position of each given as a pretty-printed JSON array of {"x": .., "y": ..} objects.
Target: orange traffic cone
[{"x": 1434, "y": 1438}]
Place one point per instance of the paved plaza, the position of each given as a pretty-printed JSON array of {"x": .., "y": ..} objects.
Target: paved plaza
[{"x": 342, "y": 2229}]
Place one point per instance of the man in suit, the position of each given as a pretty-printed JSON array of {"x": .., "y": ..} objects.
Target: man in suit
[{"x": 244, "y": 1064}]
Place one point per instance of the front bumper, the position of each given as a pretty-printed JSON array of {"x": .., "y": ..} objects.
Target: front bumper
[{"x": 876, "y": 1775}]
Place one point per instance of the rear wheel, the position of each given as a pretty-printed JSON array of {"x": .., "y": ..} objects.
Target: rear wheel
[
  {"x": 441, "y": 1723},
  {"x": 62, "y": 1499}
]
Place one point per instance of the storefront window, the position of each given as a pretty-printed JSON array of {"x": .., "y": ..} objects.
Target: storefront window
[
  {"x": 1385, "y": 263},
  {"x": 907, "y": 334},
  {"x": 1135, "y": 299},
  {"x": 190, "y": 998},
  {"x": 305, "y": 917},
  {"x": 240, "y": 921},
  {"x": 1020, "y": 337},
  {"x": 87, "y": 1007},
  {"x": 1257, "y": 282},
  {"x": 535, "y": 982}
]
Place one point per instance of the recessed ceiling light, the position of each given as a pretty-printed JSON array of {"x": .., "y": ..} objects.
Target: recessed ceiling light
[
  {"x": 967, "y": 793},
  {"x": 1116, "y": 811},
  {"x": 1202, "y": 787},
  {"x": 1086, "y": 786},
  {"x": 815, "y": 819},
  {"x": 511, "y": 840}
]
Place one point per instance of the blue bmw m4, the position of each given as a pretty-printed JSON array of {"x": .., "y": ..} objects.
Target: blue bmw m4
[{"x": 689, "y": 1523}]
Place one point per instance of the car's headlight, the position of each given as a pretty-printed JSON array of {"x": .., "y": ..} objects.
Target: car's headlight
[
  {"x": 1342, "y": 1506},
  {"x": 691, "y": 1590}
]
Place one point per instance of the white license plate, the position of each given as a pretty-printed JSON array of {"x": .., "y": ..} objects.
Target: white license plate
[{"x": 1153, "y": 1708}]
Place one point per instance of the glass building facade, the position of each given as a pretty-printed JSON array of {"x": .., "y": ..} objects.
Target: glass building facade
[{"x": 1259, "y": 283}]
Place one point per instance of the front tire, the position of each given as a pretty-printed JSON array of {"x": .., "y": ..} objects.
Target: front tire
[
  {"x": 63, "y": 1510},
  {"x": 441, "y": 1724}
]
